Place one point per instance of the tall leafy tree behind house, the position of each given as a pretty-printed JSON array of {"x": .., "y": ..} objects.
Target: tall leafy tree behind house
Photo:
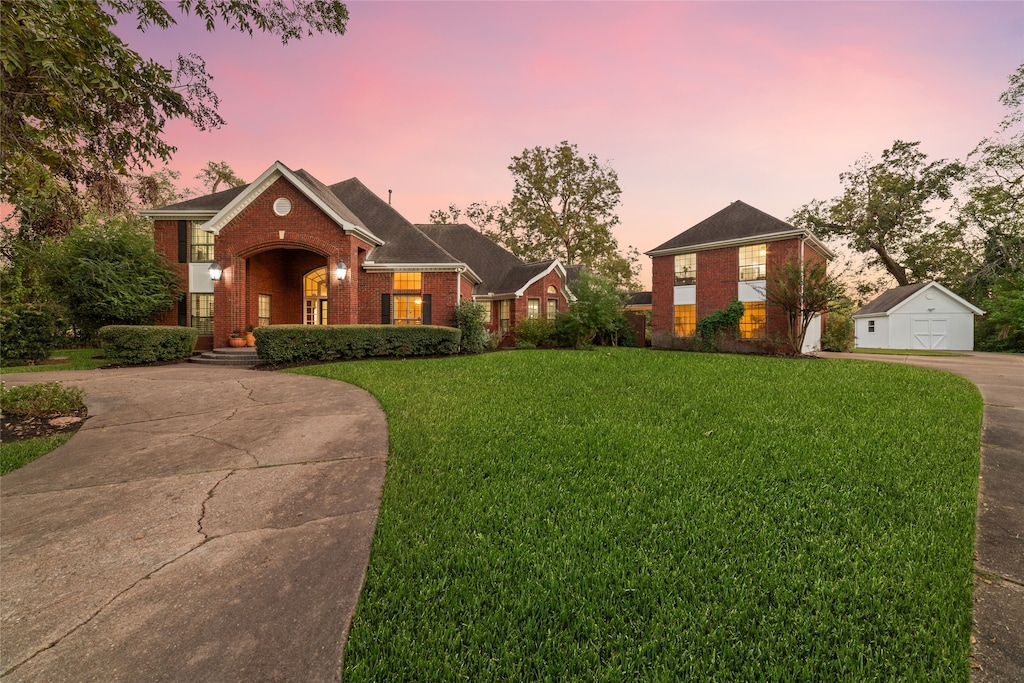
[
  {"x": 563, "y": 206},
  {"x": 886, "y": 212},
  {"x": 81, "y": 112},
  {"x": 217, "y": 173},
  {"x": 993, "y": 211}
]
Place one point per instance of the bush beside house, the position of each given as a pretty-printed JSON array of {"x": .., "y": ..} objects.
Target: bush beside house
[
  {"x": 307, "y": 343},
  {"x": 137, "y": 344}
]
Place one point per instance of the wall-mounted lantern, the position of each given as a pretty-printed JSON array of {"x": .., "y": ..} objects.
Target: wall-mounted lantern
[
  {"x": 341, "y": 271},
  {"x": 215, "y": 271}
]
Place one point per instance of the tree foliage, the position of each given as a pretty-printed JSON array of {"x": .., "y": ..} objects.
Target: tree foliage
[
  {"x": 886, "y": 213},
  {"x": 79, "y": 108},
  {"x": 563, "y": 206},
  {"x": 595, "y": 315},
  {"x": 216, "y": 173},
  {"x": 802, "y": 291},
  {"x": 994, "y": 205},
  {"x": 108, "y": 273}
]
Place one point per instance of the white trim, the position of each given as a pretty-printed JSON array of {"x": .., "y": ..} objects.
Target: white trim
[
  {"x": 460, "y": 268},
  {"x": 974, "y": 309},
  {"x": 540, "y": 276},
  {"x": 170, "y": 214},
  {"x": 261, "y": 184},
  {"x": 741, "y": 241}
]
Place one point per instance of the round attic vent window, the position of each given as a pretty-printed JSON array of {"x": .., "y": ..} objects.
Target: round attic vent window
[{"x": 282, "y": 206}]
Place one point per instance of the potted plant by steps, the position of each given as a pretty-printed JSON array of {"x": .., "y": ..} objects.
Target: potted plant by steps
[
  {"x": 250, "y": 338},
  {"x": 236, "y": 339}
]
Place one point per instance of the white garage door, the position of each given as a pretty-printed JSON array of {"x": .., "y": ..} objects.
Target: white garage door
[{"x": 930, "y": 333}]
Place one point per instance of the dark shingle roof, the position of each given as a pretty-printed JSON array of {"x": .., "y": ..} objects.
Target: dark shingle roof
[
  {"x": 324, "y": 194},
  {"x": 403, "y": 242},
  {"x": 487, "y": 258},
  {"x": 639, "y": 299},
  {"x": 889, "y": 299},
  {"x": 735, "y": 222},
  {"x": 211, "y": 202}
]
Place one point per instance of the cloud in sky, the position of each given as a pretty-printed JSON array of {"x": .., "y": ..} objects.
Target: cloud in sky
[{"x": 693, "y": 104}]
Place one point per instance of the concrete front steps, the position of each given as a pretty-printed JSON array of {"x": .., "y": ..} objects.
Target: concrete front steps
[{"x": 228, "y": 357}]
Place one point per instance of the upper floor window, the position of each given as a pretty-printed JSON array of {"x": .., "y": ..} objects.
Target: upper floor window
[
  {"x": 686, "y": 269},
  {"x": 408, "y": 282},
  {"x": 552, "y": 290},
  {"x": 753, "y": 261},
  {"x": 202, "y": 244}
]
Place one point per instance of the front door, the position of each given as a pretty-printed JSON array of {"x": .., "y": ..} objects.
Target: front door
[{"x": 314, "y": 290}]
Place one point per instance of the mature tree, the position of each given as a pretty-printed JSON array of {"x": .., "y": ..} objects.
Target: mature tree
[
  {"x": 216, "y": 173},
  {"x": 108, "y": 272},
  {"x": 563, "y": 206},
  {"x": 885, "y": 212},
  {"x": 802, "y": 291},
  {"x": 994, "y": 207},
  {"x": 78, "y": 107},
  {"x": 595, "y": 315}
]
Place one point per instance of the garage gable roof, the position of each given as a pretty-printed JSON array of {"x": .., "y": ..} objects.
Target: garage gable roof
[{"x": 888, "y": 301}]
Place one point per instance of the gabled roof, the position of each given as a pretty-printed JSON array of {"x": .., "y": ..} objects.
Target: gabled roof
[
  {"x": 403, "y": 245},
  {"x": 736, "y": 224},
  {"x": 889, "y": 300},
  {"x": 207, "y": 205},
  {"x": 228, "y": 204},
  {"x": 487, "y": 258},
  {"x": 502, "y": 272}
]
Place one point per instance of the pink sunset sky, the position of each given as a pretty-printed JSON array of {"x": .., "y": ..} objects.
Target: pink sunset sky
[{"x": 693, "y": 104}]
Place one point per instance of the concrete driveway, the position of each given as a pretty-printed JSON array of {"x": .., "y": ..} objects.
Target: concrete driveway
[
  {"x": 998, "y": 650},
  {"x": 204, "y": 525}
]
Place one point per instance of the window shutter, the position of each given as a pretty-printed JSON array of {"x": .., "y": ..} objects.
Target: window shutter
[
  {"x": 425, "y": 310},
  {"x": 182, "y": 241},
  {"x": 182, "y": 312},
  {"x": 385, "y": 309}
]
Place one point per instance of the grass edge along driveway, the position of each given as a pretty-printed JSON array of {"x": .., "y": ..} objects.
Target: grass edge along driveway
[{"x": 633, "y": 515}]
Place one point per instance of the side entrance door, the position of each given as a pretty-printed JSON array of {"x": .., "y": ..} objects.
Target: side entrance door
[{"x": 929, "y": 333}]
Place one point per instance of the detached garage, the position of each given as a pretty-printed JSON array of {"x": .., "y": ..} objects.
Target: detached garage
[{"x": 925, "y": 315}]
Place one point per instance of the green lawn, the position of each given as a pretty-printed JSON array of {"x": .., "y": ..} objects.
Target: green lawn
[
  {"x": 633, "y": 515},
  {"x": 20, "y": 453},
  {"x": 79, "y": 359}
]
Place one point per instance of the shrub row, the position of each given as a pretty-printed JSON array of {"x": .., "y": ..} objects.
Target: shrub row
[
  {"x": 304, "y": 343},
  {"x": 26, "y": 333},
  {"x": 135, "y": 344}
]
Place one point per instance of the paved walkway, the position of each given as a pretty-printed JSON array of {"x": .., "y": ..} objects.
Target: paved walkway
[
  {"x": 205, "y": 524},
  {"x": 998, "y": 651}
]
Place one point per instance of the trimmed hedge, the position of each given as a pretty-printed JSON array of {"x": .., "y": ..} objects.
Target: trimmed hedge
[
  {"x": 304, "y": 343},
  {"x": 26, "y": 333},
  {"x": 136, "y": 344}
]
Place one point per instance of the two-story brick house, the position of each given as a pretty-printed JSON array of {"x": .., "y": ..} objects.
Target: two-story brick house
[
  {"x": 727, "y": 256},
  {"x": 287, "y": 249}
]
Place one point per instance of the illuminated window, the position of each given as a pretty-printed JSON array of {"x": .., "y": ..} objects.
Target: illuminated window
[
  {"x": 408, "y": 310},
  {"x": 315, "y": 283},
  {"x": 552, "y": 290},
  {"x": 686, "y": 269},
  {"x": 533, "y": 308},
  {"x": 202, "y": 244},
  {"x": 202, "y": 313},
  {"x": 264, "y": 310},
  {"x": 752, "y": 262},
  {"x": 752, "y": 324},
  {"x": 552, "y": 308},
  {"x": 686, "y": 320},
  {"x": 503, "y": 315},
  {"x": 408, "y": 282}
]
